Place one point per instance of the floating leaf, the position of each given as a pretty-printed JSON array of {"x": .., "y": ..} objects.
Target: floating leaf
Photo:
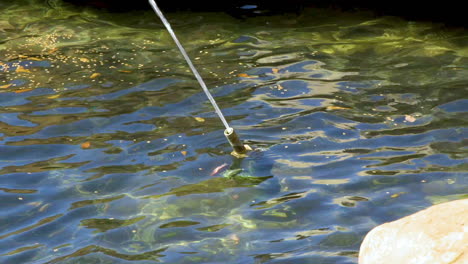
[
  {"x": 125, "y": 71},
  {"x": 184, "y": 152},
  {"x": 95, "y": 75},
  {"x": 23, "y": 90},
  {"x": 20, "y": 69},
  {"x": 280, "y": 87},
  {"x": 34, "y": 59},
  {"x": 5, "y": 86},
  {"x": 409, "y": 118},
  {"x": 28, "y": 58},
  {"x": 200, "y": 119},
  {"x": 86, "y": 145},
  {"x": 395, "y": 195},
  {"x": 333, "y": 107},
  {"x": 8, "y": 190},
  {"x": 54, "y": 96},
  {"x": 243, "y": 75},
  {"x": 275, "y": 70}
]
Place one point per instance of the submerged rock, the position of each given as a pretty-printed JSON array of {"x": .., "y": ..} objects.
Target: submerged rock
[{"x": 436, "y": 235}]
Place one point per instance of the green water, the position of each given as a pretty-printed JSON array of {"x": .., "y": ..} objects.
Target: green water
[{"x": 108, "y": 144}]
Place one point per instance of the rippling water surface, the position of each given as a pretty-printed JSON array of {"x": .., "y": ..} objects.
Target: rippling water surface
[{"x": 108, "y": 145}]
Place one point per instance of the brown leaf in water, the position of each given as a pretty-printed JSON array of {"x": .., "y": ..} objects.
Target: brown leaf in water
[
  {"x": 395, "y": 195},
  {"x": 275, "y": 70},
  {"x": 8, "y": 190},
  {"x": 35, "y": 59},
  {"x": 54, "y": 96},
  {"x": 86, "y": 145},
  {"x": 245, "y": 75},
  {"x": 29, "y": 58},
  {"x": 5, "y": 86},
  {"x": 200, "y": 119},
  {"x": 95, "y": 75},
  {"x": 20, "y": 69},
  {"x": 184, "y": 152},
  {"x": 23, "y": 90}
]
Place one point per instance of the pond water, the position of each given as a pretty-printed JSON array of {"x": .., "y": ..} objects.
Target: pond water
[{"x": 111, "y": 153}]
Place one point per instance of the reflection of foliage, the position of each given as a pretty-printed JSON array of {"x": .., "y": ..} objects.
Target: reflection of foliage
[
  {"x": 104, "y": 224},
  {"x": 213, "y": 228},
  {"x": 341, "y": 239},
  {"x": 213, "y": 185},
  {"x": 79, "y": 45},
  {"x": 46, "y": 165},
  {"x": 437, "y": 199},
  {"x": 279, "y": 200},
  {"x": 181, "y": 223},
  {"x": 95, "y": 201},
  {"x": 153, "y": 255}
]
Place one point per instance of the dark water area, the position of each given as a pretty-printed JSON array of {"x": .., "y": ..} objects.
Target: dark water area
[{"x": 109, "y": 149}]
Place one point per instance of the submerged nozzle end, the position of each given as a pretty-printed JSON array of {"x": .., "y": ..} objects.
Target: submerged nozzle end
[{"x": 240, "y": 149}]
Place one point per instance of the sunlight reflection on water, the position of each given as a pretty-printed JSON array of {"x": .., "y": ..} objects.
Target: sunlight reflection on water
[{"x": 108, "y": 145}]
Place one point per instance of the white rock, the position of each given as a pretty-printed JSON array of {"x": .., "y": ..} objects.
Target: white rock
[{"x": 436, "y": 235}]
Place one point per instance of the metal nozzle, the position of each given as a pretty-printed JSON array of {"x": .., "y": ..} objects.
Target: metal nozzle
[{"x": 234, "y": 140}]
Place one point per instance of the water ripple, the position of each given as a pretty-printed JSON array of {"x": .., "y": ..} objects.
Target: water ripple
[{"x": 109, "y": 150}]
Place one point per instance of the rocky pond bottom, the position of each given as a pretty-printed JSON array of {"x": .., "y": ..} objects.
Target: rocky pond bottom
[{"x": 111, "y": 153}]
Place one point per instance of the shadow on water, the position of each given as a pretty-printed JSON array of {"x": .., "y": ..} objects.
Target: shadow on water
[{"x": 110, "y": 152}]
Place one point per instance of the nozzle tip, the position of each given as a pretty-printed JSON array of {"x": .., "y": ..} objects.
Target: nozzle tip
[{"x": 235, "y": 142}]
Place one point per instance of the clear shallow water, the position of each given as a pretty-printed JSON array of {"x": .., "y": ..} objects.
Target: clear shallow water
[{"x": 108, "y": 144}]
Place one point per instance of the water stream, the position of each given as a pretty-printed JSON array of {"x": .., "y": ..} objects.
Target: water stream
[{"x": 110, "y": 152}]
